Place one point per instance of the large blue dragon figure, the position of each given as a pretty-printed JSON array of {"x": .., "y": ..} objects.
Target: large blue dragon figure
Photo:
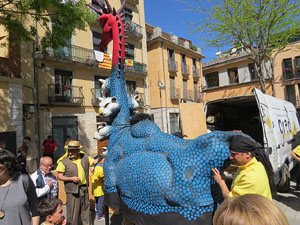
[{"x": 156, "y": 178}]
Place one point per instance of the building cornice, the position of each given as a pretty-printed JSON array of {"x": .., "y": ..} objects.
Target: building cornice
[{"x": 190, "y": 51}]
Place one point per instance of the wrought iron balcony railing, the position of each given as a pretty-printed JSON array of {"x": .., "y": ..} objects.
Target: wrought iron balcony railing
[
  {"x": 172, "y": 65},
  {"x": 134, "y": 2},
  {"x": 175, "y": 93},
  {"x": 58, "y": 93},
  {"x": 196, "y": 73},
  {"x": 96, "y": 93},
  {"x": 137, "y": 68},
  {"x": 87, "y": 56},
  {"x": 134, "y": 30},
  {"x": 185, "y": 69},
  {"x": 73, "y": 53}
]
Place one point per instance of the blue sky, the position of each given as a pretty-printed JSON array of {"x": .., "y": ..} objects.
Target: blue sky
[{"x": 171, "y": 17}]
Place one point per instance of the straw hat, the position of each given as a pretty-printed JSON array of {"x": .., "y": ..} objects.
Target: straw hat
[{"x": 73, "y": 145}]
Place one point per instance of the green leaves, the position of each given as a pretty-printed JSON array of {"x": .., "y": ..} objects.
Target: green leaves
[
  {"x": 256, "y": 22},
  {"x": 57, "y": 18}
]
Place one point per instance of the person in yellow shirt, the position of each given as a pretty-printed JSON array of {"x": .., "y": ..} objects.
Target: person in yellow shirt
[
  {"x": 74, "y": 171},
  {"x": 98, "y": 187},
  {"x": 296, "y": 155},
  {"x": 254, "y": 170}
]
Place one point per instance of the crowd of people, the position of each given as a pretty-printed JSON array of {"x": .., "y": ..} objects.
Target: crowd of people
[{"x": 29, "y": 195}]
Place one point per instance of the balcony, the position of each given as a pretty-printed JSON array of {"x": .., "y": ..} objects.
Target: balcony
[
  {"x": 134, "y": 30},
  {"x": 72, "y": 95},
  {"x": 185, "y": 69},
  {"x": 137, "y": 68},
  {"x": 96, "y": 93},
  {"x": 133, "y": 2},
  {"x": 196, "y": 73},
  {"x": 172, "y": 65},
  {"x": 139, "y": 98},
  {"x": 73, "y": 53},
  {"x": 175, "y": 93}
]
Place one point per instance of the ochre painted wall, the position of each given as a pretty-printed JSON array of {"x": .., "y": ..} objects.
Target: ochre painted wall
[
  {"x": 4, "y": 112},
  {"x": 291, "y": 51},
  {"x": 158, "y": 69},
  {"x": 192, "y": 117}
]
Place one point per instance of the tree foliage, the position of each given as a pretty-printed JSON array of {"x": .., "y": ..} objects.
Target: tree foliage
[
  {"x": 258, "y": 26},
  {"x": 18, "y": 16}
]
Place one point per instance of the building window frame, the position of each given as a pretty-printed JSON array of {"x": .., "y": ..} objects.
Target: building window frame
[
  {"x": 290, "y": 93},
  {"x": 287, "y": 67},
  {"x": 233, "y": 75},
  {"x": 212, "y": 79},
  {"x": 252, "y": 71},
  {"x": 297, "y": 66}
]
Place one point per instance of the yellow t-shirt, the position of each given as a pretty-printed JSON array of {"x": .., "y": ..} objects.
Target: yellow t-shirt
[
  {"x": 251, "y": 179},
  {"x": 98, "y": 181},
  {"x": 297, "y": 150},
  {"x": 82, "y": 179},
  {"x": 66, "y": 155}
]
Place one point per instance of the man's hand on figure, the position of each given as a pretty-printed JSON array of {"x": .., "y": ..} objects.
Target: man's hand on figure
[
  {"x": 76, "y": 179},
  {"x": 217, "y": 175},
  {"x": 221, "y": 182}
]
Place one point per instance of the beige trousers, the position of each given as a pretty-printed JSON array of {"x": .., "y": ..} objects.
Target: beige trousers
[{"x": 78, "y": 205}]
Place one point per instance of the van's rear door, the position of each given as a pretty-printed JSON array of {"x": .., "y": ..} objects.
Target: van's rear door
[{"x": 280, "y": 126}]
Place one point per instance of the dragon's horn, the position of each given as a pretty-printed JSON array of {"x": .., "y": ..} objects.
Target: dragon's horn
[
  {"x": 122, "y": 7},
  {"x": 109, "y": 9},
  {"x": 93, "y": 8},
  {"x": 100, "y": 4}
]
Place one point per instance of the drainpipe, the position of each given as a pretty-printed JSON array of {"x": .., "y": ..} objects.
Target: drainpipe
[
  {"x": 36, "y": 93},
  {"x": 147, "y": 103},
  {"x": 164, "y": 73}
]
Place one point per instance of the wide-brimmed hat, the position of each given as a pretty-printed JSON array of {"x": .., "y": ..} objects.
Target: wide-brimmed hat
[{"x": 73, "y": 145}]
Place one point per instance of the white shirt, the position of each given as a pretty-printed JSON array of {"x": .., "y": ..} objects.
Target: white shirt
[{"x": 40, "y": 191}]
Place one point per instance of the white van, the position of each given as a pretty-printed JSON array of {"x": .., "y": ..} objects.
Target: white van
[{"x": 271, "y": 121}]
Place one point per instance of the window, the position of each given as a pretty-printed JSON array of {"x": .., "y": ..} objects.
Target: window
[
  {"x": 171, "y": 60},
  {"x": 63, "y": 82},
  {"x": 212, "y": 79},
  {"x": 172, "y": 87},
  {"x": 288, "y": 69},
  {"x": 96, "y": 39},
  {"x": 184, "y": 83},
  {"x": 149, "y": 36},
  {"x": 128, "y": 14},
  {"x": 174, "y": 123},
  {"x": 297, "y": 66},
  {"x": 195, "y": 91},
  {"x": 65, "y": 51},
  {"x": 130, "y": 88},
  {"x": 194, "y": 68},
  {"x": 182, "y": 59},
  {"x": 233, "y": 75},
  {"x": 97, "y": 85},
  {"x": 290, "y": 94},
  {"x": 171, "y": 54},
  {"x": 253, "y": 74},
  {"x": 129, "y": 51}
]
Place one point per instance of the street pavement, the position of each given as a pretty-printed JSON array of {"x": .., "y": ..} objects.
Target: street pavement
[{"x": 289, "y": 203}]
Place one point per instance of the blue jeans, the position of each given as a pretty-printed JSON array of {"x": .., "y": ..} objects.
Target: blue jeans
[{"x": 99, "y": 205}]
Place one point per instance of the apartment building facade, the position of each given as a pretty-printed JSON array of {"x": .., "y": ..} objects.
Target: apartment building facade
[
  {"x": 10, "y": 93},
  {"x": 174, "y": 69},
  {"x": 228, "y": 81},
  {"x": 67, "y": 80}
]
